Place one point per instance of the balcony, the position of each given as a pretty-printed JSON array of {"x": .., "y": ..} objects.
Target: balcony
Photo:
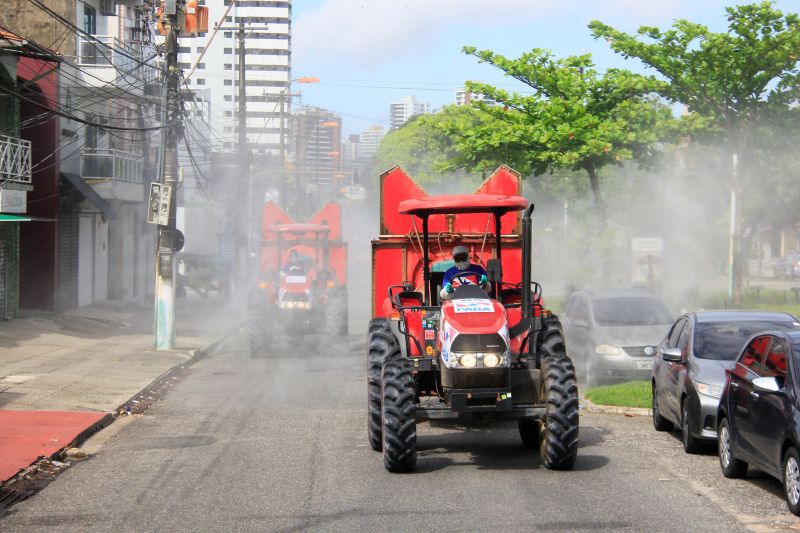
[
  {"x": 114, "y": 174},
  {"x": 15, "y": 161},
  {"x": 105, "y": 60}
]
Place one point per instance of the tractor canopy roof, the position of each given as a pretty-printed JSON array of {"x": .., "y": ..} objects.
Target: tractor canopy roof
[
  {"x": 462, "y": 203},
  {"x": 298, "y": 228}
]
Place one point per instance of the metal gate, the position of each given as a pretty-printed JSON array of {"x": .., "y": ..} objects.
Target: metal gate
[
  {"x": 68, "y": 257},
  {"x": 9, "y": 270}
]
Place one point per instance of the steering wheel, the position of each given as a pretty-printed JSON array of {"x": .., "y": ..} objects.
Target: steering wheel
[{"x": 463, "y": 278}]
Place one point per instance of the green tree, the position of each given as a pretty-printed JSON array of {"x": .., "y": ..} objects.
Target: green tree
[
  {"x": 737, "y": 81},
  {"x": 576, "y": 118}
]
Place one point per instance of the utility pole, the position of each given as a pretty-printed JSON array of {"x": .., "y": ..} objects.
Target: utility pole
[{"x": 165, "y": 254}]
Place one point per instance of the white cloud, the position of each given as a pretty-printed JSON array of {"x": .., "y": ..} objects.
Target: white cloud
[{"x": 375, "y": 32}]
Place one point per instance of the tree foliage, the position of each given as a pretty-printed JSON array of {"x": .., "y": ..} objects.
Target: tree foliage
[
  {"x": 736, "y": 79},
  {"x": 741, "y": 82},
  {"x": 576, "y": 117}
]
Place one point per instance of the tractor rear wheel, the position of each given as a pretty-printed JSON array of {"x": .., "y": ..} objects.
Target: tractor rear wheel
[
  {"x": 382, "y": 345},
  {"x": 529, "y": 432},
  {"x": 558, "y": 445},
  {"x": 336, "y": 315},
  {"x": 399, "y": 425}
]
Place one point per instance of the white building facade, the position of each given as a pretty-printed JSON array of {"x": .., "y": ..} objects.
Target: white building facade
[
  {"x": 400, "y": 112},
  {"x": 267, "y": 26}
]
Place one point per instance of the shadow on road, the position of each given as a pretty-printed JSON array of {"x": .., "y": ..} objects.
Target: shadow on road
[{"x": 492, "y": 449}]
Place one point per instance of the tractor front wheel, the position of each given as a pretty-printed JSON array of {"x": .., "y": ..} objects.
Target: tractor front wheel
[
  {"x": 381, "y": 345},
  {"x": 399, "y": 425},
  {"x": 558, "y": 444},
  {"x": 257, "y": 329},
  {"x": 336, "y": 315}
]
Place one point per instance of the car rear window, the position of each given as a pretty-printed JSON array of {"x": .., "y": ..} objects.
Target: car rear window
[
  {"x": 723, "y": 341},
  {"x": 630, "y": 311}
]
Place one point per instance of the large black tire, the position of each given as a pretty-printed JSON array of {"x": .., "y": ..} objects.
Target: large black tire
[
  {"x": 399, "y": 425},
  {"x": 529, "y": 432},
  {"x": 659, "y": 422},
  {"x": 558, "y": 441},
  {"x": 257, "y": 329},
  {"x": 336, "y": 315},
  {"x": 382, "y": 344}
]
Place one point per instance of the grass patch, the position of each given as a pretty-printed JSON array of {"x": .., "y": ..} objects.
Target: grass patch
[{"x": 629, "y": 394}]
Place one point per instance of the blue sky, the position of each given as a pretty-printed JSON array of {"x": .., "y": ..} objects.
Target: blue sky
[{"x": 368, "y": 53}]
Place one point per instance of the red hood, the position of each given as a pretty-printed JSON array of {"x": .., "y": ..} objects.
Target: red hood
[{"x": 474, "y": 315}]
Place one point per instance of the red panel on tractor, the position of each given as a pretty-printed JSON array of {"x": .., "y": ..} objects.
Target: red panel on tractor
[
  {"x": 330, "y": 215},
  {"x": 272, "y": 215}
]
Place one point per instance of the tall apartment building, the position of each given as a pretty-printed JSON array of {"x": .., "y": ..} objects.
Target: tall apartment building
[
  {"x": 267, "y": 70},
  {"x": 400, "y": 112},
  {"x": 369, "y": 140},
  {"x": 464, "y": 97}
]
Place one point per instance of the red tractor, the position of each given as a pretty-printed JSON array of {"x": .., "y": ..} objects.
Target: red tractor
[
  {"x": 302, "y": 280},
  {"x": 474, "y": 356}
]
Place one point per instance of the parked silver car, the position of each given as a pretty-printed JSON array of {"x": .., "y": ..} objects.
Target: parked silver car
[
  {"x": 689, "y": 369},
  {"x": 612, "y": 334}
]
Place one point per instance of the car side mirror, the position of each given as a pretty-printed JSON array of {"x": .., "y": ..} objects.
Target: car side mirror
[
  {"x": 766, "y": 384},
  {"x": 673, "y": 355}
]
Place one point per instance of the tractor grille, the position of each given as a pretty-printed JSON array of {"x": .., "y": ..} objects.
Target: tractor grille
[
  {"x": 295, "y": 297},
  {"x": 638, "y": 351}
]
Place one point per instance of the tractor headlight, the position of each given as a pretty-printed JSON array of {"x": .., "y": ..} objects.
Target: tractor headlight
[
  {"x": 478, "y": 360},
  {"x": 491, "y": 360},
  {"x": 468, "y": 360}
]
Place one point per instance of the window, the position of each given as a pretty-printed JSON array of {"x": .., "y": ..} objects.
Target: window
[
  {"x": 201, "y": 81},
  {"x": 228, "y": 51},
  {"x": 200, "y": 49},
  {"x": 89, "y": 20},
  {"x": 228, "y": 98},
  {"x": 227, "y": 66},
  {"x": 228, "y": 113},
  {"x": 683, "y": 339},
  {"x": 201, "y": 65},
  {"x": 184, "y": 66},
  {"x": 184, "y": 49},
  {"x": 775, "y": 363},
  {"x": 228, "y": 82},
  {"x": 674, "y": 335},
  {"x": 754, "y": 353}
]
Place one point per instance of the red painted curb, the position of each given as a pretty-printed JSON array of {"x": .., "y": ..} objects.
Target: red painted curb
[{"x": 27, "y": 435}]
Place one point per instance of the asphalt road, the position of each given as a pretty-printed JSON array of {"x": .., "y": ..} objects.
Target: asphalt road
[{"x": 278, "y": 443}]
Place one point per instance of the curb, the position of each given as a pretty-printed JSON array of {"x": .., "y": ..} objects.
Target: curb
[
  {"x": 615, "y": 409},
  {"x": 38, "y": 475}
]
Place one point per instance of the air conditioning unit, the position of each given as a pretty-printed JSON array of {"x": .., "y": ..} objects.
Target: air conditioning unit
[{"x": 108, "y": 8}]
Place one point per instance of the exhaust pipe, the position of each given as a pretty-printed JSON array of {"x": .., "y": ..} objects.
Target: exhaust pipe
[{"x": 527, "y": 304}]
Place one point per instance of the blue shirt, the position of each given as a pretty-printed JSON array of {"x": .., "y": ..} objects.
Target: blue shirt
[{"x": 472, "y": 268}]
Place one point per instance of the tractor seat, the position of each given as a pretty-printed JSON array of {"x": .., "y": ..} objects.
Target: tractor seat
[
  {"x": 468, "y": 291},
  {"x": 407, "y": 298}
]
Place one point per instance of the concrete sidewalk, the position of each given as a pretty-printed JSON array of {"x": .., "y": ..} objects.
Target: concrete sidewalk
[{"x": 92, "y": 360}]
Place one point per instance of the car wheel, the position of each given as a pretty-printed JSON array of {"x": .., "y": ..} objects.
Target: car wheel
[
  {"x": 731, "y": 466},
  {"x": 791, "y": 480},
  {"x": 690, "y": 443},
  {"x": 659, "y": 422}
]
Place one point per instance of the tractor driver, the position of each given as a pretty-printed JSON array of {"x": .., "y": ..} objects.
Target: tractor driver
[
  {"x": 463, "y": 266},
  {"x": 295, "y": 263}
]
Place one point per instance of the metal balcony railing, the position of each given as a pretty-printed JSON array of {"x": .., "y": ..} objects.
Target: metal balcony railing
[
  {"x": 15, "y": 160},
  {"x": 102, "y": 164},
  {"x": 108, "y": 51}
]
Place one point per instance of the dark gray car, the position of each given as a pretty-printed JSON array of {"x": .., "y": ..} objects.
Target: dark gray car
[
  {"x": 612, "y": 334},
  {"x": 689, "y": 369}
]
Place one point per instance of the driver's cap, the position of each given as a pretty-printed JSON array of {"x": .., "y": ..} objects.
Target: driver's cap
[{"x": 460, "y": 249}]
